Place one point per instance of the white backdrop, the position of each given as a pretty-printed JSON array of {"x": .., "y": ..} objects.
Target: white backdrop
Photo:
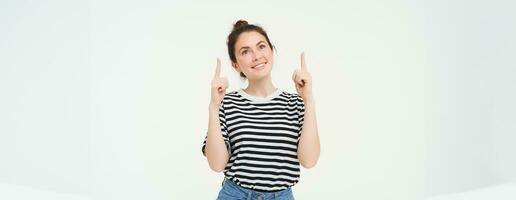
[
  {"x": 470, "y": 50},
  {"x": 108, "y": 99}
]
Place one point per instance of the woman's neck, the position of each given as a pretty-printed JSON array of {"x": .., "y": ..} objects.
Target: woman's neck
[{"x": 261, "y": 88}]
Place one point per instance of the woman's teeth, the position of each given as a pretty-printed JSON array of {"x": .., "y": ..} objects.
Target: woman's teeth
[{"x": 259, "y": 66}]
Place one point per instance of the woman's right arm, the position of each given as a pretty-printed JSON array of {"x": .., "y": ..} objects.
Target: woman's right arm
[{"x": 216, "y": 151}]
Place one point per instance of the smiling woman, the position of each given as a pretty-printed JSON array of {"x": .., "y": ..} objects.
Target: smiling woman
[
  {"x": 259, "y": 135},
  {"x": 248, "y": 33}
]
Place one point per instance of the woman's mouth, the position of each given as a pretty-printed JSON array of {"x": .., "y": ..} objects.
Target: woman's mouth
[{"x": 259, "y": 66}]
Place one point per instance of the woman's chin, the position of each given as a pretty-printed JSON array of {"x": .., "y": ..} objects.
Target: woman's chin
[{"x": 260, "y": 74}]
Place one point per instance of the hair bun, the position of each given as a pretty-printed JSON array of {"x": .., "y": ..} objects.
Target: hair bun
[{"x": 239, "y": 24}]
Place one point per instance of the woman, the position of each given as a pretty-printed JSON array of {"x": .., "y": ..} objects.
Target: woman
[{"x": 259, "y": 135}]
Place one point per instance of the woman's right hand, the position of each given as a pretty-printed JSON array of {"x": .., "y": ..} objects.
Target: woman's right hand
[{"x": 218, "y": 86}]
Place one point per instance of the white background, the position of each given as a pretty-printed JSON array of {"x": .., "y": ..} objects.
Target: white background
[{"x": 108, "y": 99}]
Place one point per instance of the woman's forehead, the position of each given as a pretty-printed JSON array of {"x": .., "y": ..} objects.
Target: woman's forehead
[{"x": 251, "y": 38}]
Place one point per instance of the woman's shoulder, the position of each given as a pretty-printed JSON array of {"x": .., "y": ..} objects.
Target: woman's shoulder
[
  {"x": 233, "y": 94},
  {"x": 291, "y": 96}
]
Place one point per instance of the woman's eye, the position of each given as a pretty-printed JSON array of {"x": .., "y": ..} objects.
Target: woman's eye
[
  {"x": 244, "y": 52},
  {"x": 262, "y": 46}
]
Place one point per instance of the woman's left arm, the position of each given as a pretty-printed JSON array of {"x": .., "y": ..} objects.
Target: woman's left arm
[{"x": 308, "y": 149}]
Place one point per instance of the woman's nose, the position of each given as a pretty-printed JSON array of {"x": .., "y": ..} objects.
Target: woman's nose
[{"x": 257, "y": 56}]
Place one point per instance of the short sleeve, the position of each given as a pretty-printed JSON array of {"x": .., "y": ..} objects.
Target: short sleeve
[
  {"x": 223, "y": 130},
  {"x": 301, "y": 115}
]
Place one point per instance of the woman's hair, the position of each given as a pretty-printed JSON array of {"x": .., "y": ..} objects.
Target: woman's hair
[{"x": 239, "y": 27}]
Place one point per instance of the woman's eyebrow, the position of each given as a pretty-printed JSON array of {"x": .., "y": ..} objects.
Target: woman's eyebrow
[{"x": 247, "y": 47}]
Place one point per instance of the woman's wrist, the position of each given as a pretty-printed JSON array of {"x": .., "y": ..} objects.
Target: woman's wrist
[
  {"x": 308, "y": 99},
  {"x": 214, "y": 106}
]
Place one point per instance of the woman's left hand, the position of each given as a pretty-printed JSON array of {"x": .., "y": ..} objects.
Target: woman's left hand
[{"x": 303, "y": 80}]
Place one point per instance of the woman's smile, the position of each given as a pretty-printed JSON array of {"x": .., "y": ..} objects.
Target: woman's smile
[{"x": 260, "y": 66}]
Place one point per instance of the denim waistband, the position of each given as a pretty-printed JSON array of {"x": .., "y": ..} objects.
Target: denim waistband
[{"x": 253, "y": 193}]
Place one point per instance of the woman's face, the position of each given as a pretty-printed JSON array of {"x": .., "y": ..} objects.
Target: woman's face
[{"x": 253, "y": 55}]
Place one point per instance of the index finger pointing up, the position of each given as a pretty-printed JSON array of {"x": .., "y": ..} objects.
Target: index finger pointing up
[
  {"x": 303, "y": 63},
  {"x": 217, "y": 69}
]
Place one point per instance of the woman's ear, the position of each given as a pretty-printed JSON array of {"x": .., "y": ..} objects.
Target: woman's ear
[{"x": 235, "y": 66}]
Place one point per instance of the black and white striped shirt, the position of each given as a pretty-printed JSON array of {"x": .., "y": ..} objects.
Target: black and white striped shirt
[{"x": 262, "y": 134}]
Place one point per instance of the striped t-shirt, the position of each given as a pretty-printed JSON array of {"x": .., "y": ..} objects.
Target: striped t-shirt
[{"x": 262, "y": 134}]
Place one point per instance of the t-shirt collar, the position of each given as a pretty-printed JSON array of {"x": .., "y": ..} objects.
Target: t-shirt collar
[{"x": 271, "y": 96}]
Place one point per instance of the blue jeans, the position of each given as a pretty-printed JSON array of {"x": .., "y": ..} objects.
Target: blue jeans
[{"x": 231, "y": 191}]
